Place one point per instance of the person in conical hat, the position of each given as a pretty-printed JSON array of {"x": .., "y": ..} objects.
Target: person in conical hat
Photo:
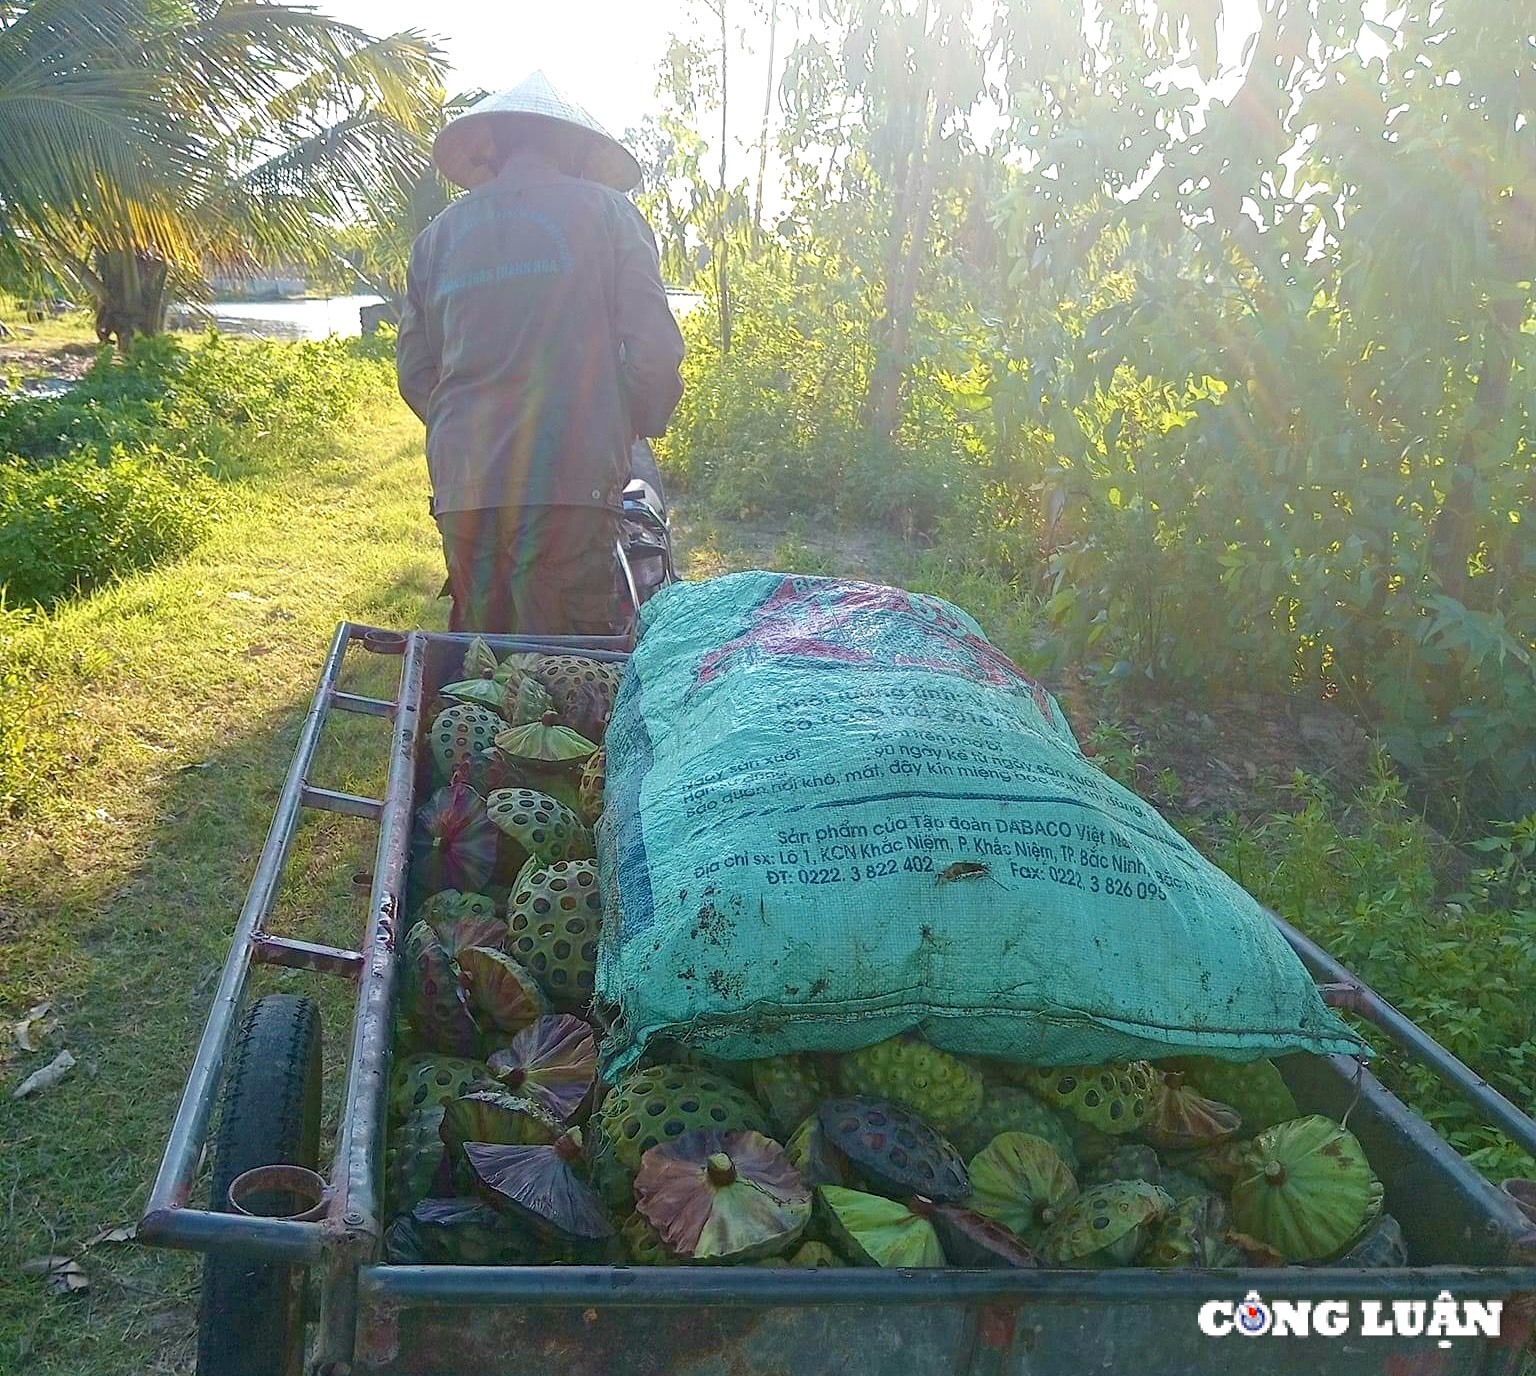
[{"x": 537, "y": 344}]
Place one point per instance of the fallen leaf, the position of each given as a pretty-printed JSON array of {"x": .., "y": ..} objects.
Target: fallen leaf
[
  {"x": 47, "y": 1077},
  {"x": 256, "y": 651},
  {"x": 34, "y": 1027},
  {"x": 188, "y": 768},
  {"x": 64, "y": 1275}
]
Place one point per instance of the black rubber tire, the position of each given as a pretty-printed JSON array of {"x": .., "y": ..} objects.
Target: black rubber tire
[{"x": 251, "y": 1322}]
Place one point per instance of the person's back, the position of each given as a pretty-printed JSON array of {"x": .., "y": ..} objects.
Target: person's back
[{"x": 536, "y": 344}]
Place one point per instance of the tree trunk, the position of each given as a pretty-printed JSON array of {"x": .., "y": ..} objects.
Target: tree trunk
[
  {"x": 722, "y": 267},
  {"x": 762, "y": 142},
  {"x": 130, "y": 294},
  {"x": 1455, "y": 534}
]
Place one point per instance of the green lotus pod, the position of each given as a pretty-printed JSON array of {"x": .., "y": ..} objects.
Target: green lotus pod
[
  {"x": 538, "y": 825},
  {"x": 499, "y": 1118},
  {"x": 814, "y": 1156},
  {"x": 481, "y": 692},
  {"x": 594, "y": 778},
  {"x": 644, "y": 1247},
  {"x": 1179, "y": 1116},
  {"x": 874, "y": 1231},
  {"x": 1254, "y": 1088},
  {"x": 1180, "y": 1185},
  {"x": 1217, "y": 1167},
  {"x": 661, "y": 1103},
  {"x": 546, "y": 742},
  {"x": 424, "y": 1082},
  {"x": 465, "y": 1232},
  {"x": 517, "y": 666},
  {"x": 430, "y": 1000},
  {"x": 502, "y": 994},
  {"x": 479, "y": 659},
  {"x": 1106, "y": 1226},
  {"x": 1128, "y": 1161},
  {"x": 1021, "y": 1182},
  {"x": 554, "y": 919},
  {"x": 1305, "y": 1188},
  {"x": 1193, "y": 1234},
  {"x": 1112, "y": 1098},
  {"x": 415, "y": 1157},
  {"x": 789, "y": 1087},
  {"x": 808, "y": 1256},
  {"x": 1379, "y": 1246},
  {"x": 564, "y": 675},
  {"x": 462, "y": 920},
  {"x": 1007, "y": 1108},
  {"x": 526, "y": 701},
  {"x": 936, "y": 1086},
  {"x": 460, "y": 732}
]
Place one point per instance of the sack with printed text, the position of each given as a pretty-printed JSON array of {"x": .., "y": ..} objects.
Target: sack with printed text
[{"x": 835, "y": 813}]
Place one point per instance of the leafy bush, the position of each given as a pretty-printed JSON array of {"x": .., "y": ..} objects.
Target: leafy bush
[
  {"x": 776, "y": 426},
  {"x": 116, "y": 474},
  {"x": 77, "y": 523},
  {"x": 1361, "y": 881}
]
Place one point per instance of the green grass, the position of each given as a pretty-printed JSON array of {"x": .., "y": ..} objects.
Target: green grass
[
  {"x": 74, "y": 328},
  {"x": 179, "y": 694}
]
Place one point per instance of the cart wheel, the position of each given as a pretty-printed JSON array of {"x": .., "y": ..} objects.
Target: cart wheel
[{"x": 251, "y": 1322}]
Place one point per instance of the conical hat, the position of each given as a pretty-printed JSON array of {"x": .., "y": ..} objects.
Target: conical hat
[{"x": 465, "y": 154}]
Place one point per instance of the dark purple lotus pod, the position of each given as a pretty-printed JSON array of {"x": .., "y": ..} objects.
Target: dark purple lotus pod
[
  {"x": 895, "y": 1149},
  {"x": 541, "y": 1185},
  {"x": 973, "y": 1240},
  {"x": 454, "y": 842},
  {"x": 492, "y": 1116},
  {"x": 500, "y": 991},
  {"x": 553, "y": 1062}
]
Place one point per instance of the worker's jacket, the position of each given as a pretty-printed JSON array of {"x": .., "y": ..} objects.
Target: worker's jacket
[{"x": 536, "y": 342}]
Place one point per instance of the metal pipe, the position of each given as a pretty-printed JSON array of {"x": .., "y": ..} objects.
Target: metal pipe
[
  {"x": 178, "y": 1166},
  {"x": 370, "y": 707},
  {"x": 347, "y": 804},
  {"x": 354, "y": 1225},
  {"x": 1352, "y": 993},
  {"x": 594, "y": 646},
  {"x": 305, "y": 955},
  {"x": 199, "y": 1230},
  {"x": 677, "y": 1287}
]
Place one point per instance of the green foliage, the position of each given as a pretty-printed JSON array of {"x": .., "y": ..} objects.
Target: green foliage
[
  {"x": 1360, "y": 879},
  {"x": 118, "y": 474},
  {"x": 72, "y": 526},
  {"x": 780, "y": 416}
]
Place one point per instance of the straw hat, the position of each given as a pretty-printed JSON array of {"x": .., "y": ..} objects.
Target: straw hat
[{"x": 466, "y": 154}]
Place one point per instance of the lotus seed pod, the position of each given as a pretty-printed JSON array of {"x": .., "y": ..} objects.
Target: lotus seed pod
[
  {"x": 1007, "y": 1108},
  {"x": 479, "y": 659},
  {"x": 462, "y": 920},
  {"x": 460, "y": 732},
  {"x": 424, "y": 1082},
  {"x": 1380, "y": 1246},
  {"x": 414, "y": 1158},
  {"x": 789, "y": 1087},
  {"x": 1306, "y": 1189},
  {"x": 661, "y": 1103},
  {"x": 538, "y": 825},
  {"x": 1178, "y": 1115},
  {"x": 936, "y": 1086},
  {"x": 972, "y": 1240},
  {"x": 594, "y": 778},
  {"x": 430, "y": 999},
  {"x": 1106, "y": 1226},
  {"x": 644, "y": 1247},
  {"x": 895, "y": 1149},
  {"x": 502, "y": 994},
  {"x": 1193, "y": 1234},
  {"x": 722, "y": 1196},
  {"x": 563, "y": 675},
  {"x": 871, "y": 1231},
  {"x": 1022, "y": 1183},
  {"x": 814, "y": 1156},
  {"x": 1112, "y": 1098},
  {"x": 808, "y": 1256},
  {"x": 1128, "y": 1161},
  {"x": 453, "y": 843},
  {"x": 1254, "y": 1088},
  {"x": 554, "y": 919}
]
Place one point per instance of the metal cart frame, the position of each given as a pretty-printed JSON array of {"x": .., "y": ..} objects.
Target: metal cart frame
[{"x": 343, "y": 1247}]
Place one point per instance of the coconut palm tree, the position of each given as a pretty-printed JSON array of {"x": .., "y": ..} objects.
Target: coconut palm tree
[{"x": 142, "y": 138}]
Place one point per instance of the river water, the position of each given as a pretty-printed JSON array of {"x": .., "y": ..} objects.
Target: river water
[{"x": 318, "y": 317}]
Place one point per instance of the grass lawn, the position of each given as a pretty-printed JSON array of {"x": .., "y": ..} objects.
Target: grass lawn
[{"x": 119, "y": 892}]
